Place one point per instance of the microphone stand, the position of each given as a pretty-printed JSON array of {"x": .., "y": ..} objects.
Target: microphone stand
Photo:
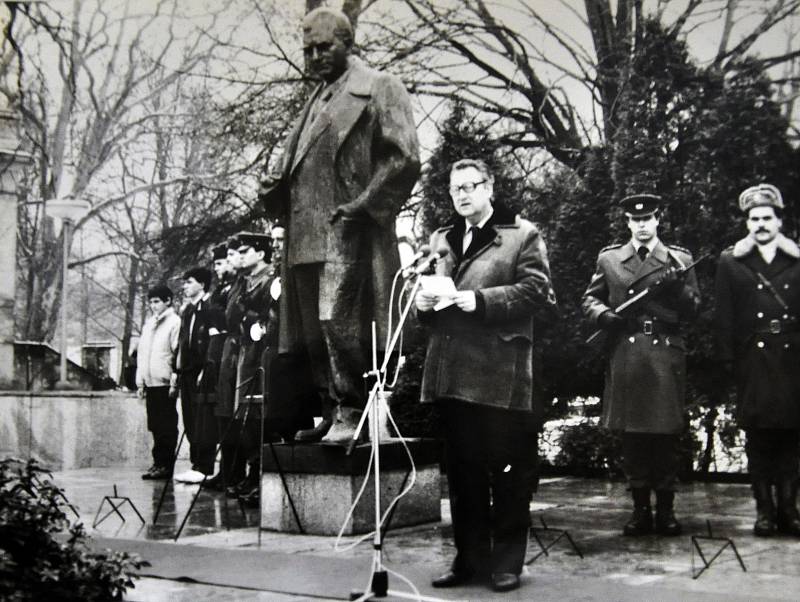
[{"x": 379, "y": 583}]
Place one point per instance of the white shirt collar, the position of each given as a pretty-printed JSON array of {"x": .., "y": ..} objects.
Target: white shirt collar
[
  {"x": 650, "y": 245},
  {"x": 481, "y": 223}
]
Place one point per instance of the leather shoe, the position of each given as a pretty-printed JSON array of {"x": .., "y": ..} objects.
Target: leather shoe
[
  {"x": 251, "y": 499},
  {"x": 147, "y": 475},
  {"x": 157, "y": 473},
  {"x": 504, "y": 582},
  {"x": 214, "y": 483},
  {"x": 452, "y": 579}
]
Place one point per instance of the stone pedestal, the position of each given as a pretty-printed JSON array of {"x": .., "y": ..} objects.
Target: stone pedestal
[{"x": 323, "y": 482}]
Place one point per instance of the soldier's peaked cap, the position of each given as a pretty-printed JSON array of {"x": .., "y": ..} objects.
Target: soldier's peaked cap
[
  {"x": 761, "y": 195},
  {"x": 233, "y": 241},
  {"x": 641, "y": 204},
  {"x": 260, "y": 242}
]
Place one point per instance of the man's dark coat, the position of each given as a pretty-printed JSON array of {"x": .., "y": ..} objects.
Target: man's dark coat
[{"x": 766, "y": 364}]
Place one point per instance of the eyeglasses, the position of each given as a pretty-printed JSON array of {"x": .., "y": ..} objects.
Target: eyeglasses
[{"x": 467, "y": 187}]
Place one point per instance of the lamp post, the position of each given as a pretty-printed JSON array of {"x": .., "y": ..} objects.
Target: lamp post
[{"x": 68, "y": 211}]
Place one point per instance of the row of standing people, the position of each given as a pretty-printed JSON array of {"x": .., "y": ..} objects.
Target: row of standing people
[
  {"x": 757, "y": 300},
  {"x": 216, "y": 356},
  {"x": 478, "y": 364}
]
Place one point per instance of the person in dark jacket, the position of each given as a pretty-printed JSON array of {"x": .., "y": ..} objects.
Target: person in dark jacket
[
  {"x": 232, "y": 468},
  {"x": 757, "y": 308},
  {"x": 191, "y": 361},
  {"x": 645, "y": 377},
  {"x": 258, "y": 330},
  {"x": 479, "y": 368},
  {"x": 210, "y": 389}
]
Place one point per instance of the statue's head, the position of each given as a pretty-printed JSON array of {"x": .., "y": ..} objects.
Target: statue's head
[{"x": 327, "y": 40}]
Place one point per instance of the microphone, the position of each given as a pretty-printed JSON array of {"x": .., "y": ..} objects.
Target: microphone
[
  {"x": 423, "y": 251},
  {"x": 431, "y": 260}
]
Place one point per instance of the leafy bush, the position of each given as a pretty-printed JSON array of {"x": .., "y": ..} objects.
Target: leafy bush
[
  {"x": 42, "y": 556},
  {"x": 586, "y": 449}
]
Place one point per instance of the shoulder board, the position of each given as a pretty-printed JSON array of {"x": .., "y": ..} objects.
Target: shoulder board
[
  {"x": 444, "y": 228},
  {"x": 681, "y": 249},
  {"x": 619, "y": 245}
]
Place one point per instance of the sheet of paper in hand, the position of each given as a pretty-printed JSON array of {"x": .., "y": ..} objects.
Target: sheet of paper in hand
[{"x": 442, "y": 286}]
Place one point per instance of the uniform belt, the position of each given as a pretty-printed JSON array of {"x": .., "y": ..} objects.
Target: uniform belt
[
  {"x": 778, "y": 327},
  {"x": 649, "y": 326}
]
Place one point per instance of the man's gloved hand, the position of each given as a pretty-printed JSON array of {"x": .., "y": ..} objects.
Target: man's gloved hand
[
  {"x": 611, "y": 321},
  {"x": 670, "y": 283}
]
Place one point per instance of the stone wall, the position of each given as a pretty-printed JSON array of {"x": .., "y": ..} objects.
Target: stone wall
[{"x": 68, "y": 430}]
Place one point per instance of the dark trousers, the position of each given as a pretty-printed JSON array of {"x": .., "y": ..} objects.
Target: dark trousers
[
  {"x": 205, "y": 436},
  {"x": 162, "y": 422},
  {"x": 772, "y": 454},
  {"x": 335, "y": 345},
  {"x": 490, "y": 460},
  {"x": 199, "y": 424},
  {"x": 650, "y": 460},
  {"x": 232, "y": 462}
]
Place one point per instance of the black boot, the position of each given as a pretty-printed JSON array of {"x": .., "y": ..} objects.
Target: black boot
[
  {"x": 313, "y": 435},
  {"x": 666, "y": 523},
  {"x": 765, "y": 509},
  {"x": 641, "y": 523},
  {"x": 788, "y": 519}
]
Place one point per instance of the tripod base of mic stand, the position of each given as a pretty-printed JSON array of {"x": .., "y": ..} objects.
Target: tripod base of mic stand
[{"x": 380, "y": 587}]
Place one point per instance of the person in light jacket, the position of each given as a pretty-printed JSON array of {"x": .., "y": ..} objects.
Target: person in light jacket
[{"x": 156, "y": 380}]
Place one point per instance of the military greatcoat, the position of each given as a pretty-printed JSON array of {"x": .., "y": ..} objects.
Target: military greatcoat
[
  {"x": 645, "y": 377},
  {"x": 759, "y": 334},
  {"x": 226, "y": 381}
]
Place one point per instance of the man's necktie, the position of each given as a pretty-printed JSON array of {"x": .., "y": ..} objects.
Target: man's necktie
[
  {"x": 469, "y": 238},
  {"x": 642, "y": 251}
]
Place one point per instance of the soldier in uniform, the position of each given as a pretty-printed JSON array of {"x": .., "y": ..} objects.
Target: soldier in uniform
[
  {"x": 217, "y": 336},
  {"x": 757, "y": 304},
  {"x": 645, "y": 375},
  {"x": 258, "y": 330},
  {"x": 232, "y": 464}
]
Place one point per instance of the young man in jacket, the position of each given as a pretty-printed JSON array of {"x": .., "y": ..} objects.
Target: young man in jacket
[
  {"x": 156, "y": 380},
  {"x": 645, "y": 378},
  {"x": 758, "y": 334},
  {"x": 478, "y": 370},
  {"x": 191, "y": 362}
]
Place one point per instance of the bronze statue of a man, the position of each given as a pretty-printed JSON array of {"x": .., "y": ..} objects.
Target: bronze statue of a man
[{"x": 351, "y": 161}]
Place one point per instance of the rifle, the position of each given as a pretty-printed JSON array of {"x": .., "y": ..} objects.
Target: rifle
[{"x": 644, "y": 294}]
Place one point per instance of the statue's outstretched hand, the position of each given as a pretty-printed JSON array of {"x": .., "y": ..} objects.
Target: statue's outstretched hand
[{"x": 346, "y": 210}]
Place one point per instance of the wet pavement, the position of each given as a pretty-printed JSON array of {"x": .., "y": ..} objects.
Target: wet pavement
[{"x": 613, "y": 567}]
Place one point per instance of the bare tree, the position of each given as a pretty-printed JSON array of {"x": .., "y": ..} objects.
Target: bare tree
[
  {"x": 554, "y": 73},
  {"x": 88, "y": 79}
]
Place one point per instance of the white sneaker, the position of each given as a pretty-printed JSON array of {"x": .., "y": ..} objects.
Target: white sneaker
[{"x": 190, "y": 476}]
